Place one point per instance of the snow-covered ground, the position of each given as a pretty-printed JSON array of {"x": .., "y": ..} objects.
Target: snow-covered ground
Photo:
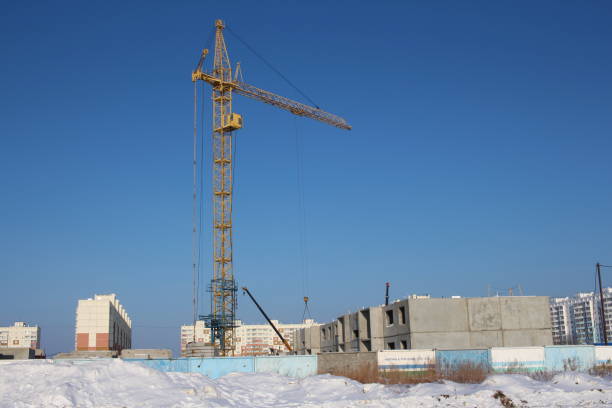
[{"x": 119, "y": 384}]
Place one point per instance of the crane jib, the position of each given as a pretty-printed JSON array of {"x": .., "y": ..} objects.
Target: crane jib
[{"x": 297, "y": 108}]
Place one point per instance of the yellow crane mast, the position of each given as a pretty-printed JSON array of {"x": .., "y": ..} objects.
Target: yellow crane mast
[{"x": 223, "y": 287}]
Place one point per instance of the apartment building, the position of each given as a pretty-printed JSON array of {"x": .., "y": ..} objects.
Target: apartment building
[
  {"x": 561, "y": 320},
  {"x": 250, "y": 339},
  {"x": 577, "y": 319},
  {"x": 421, "y": 322},
  {"x": 102, "y": 324},
  {"x": 20, "y": 335},
  {"x": 198, "y": 334}
]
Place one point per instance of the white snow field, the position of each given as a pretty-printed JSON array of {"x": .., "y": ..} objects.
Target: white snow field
[{"x": 120, "y": 384}]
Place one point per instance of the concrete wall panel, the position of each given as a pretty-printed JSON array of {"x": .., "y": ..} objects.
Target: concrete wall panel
[
  {"x": 437, "y": 315},
  {"x": 564, "y": 358},
  {"x": 517, "y": 358},
  {"x": 603, "y": 354},
  {"x": 290, "y": 366}
]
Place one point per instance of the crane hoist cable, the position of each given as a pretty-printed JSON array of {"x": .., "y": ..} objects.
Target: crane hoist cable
[
  {"x": 303, "y": 242},
  {"x": 201, "y": 200},
  {"x": 258, "y": 55},
  {"x": 193, "y": 215}
]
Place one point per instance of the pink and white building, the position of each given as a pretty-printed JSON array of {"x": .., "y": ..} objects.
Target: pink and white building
[{"x": 102, "y": 324}]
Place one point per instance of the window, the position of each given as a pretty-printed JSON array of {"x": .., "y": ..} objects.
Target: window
[
  {"x": 402, "y": 315},
  {"x": 356, "y": 334},
  {"x": 391, "y": 346},
  {"x": 389, "y": 314},
  {"x": 15, "y": 341},
  {"x": 403, "y": 344}
]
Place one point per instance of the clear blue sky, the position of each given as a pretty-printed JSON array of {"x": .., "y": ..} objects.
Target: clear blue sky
[{"x": 481, "y": 154}]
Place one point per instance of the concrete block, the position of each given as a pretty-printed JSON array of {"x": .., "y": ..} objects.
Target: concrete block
[
  {"x": 440, "y": 340},
  {"x": 484, "y": 314},
  {"x": 526, "y": 338},
  {"x": 343, "y": 362},
  {"x": 437, "y": 315}
]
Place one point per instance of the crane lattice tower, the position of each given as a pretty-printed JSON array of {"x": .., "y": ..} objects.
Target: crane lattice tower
[{"x": 223, "y": 287}]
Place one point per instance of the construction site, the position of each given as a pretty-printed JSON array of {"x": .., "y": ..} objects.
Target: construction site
[
  {"x": 346, "y": 354},
  {"x": 412, "y": 323}
]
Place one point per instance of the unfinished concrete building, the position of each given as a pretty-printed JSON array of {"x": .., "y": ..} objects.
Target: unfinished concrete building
[{"x": 436, "y": 323}]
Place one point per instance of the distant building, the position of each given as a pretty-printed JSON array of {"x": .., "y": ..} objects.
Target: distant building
[
  {"x": 251, "y": 339},
  {"x": 577, "y": 319},
  {"x": 20, "y": 335},
  {"x": 561, "y": 320},
  {"x": 422, "y": 322},
  {"x": 102, "y": 324}
]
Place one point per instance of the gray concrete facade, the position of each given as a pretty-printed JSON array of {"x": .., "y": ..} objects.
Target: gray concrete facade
[
  {"x": 515, "y": 321},
  {"x": 307, "y": 340},
  {"x": 430, "y": 323}
]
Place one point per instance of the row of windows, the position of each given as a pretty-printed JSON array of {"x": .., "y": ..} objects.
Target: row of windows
[
  {"x": 403, "y": 345},
  {"x": 389, "y": 320}
]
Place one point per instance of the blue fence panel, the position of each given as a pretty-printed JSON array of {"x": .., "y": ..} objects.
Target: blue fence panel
[
  {"x": 564, "y": 358},
  {"x": 179, "y": 365},
  {"x": 220, "y": 366},
  {"x": 291, "y": 366},
  {"x": 450, "y": 359}
]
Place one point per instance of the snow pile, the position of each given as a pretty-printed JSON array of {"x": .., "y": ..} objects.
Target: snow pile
[{"x": 119, "y": 384}]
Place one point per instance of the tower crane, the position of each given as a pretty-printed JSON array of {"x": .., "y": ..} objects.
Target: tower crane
[{"x": 223, "y": 288}]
